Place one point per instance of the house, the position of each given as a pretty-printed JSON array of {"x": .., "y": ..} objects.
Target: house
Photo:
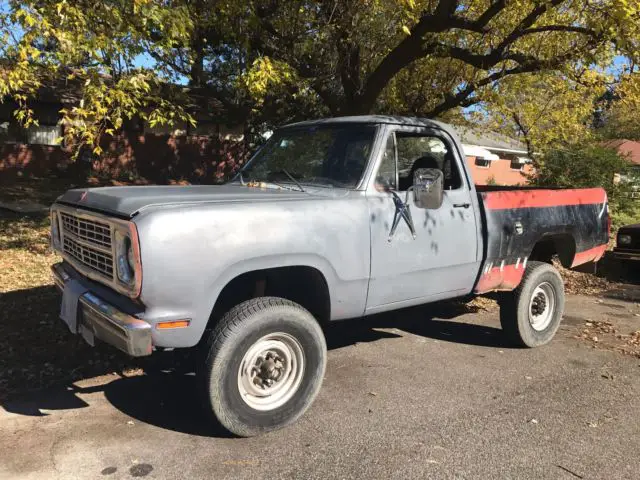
[
  {"x": 206, "y": 151},
  {"x": 631, "y": 150},
  {"x": 626, "y": 148},
  {"x": 494, "y": 158}
]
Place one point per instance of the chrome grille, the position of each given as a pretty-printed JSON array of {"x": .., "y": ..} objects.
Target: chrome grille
[
  {"x": 99, "y": 261},
  {"x": 88, "y": 241},
  {"x": 90, "y": 231}
]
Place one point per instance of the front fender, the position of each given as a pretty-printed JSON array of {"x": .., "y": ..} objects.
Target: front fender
[{"x": 189, "y": 254}]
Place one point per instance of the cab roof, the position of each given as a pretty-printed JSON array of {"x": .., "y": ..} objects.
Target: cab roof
[{"x": 375, "y": 119}]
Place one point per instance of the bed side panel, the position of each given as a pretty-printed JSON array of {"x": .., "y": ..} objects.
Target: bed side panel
[{"x": 517, "y": 220}]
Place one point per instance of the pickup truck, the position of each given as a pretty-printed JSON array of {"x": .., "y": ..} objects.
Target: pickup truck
[
  {"x": 628, "y": 243},
  {"x": 331, "y": 219}
]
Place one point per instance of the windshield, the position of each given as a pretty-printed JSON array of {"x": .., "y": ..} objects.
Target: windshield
[{"x": 331, "y": 155}]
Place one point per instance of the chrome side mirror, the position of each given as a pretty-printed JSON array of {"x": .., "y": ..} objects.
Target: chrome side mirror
[{"x": 428, "y": 188}]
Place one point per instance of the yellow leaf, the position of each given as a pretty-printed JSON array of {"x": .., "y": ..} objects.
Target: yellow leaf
[{"x": 406, "y": 30}]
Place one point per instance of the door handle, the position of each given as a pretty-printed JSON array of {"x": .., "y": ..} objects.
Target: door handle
[{"x": 461, "y": 205}]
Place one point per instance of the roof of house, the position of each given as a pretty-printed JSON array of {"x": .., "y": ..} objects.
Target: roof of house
[
  {"x": 629, "y": 148},
  {"x": 490, "y": 140}
]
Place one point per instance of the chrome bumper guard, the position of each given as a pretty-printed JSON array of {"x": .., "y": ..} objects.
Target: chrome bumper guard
[{"x": 126, "y": 333}]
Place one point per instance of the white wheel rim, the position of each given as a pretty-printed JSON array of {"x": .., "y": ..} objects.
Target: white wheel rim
[
  {"x": 542, "y": 306},
  {"x": 271, "y": 371}
]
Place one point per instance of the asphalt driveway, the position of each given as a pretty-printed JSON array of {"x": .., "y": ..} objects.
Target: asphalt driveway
[{"x": 405, "y": 396}]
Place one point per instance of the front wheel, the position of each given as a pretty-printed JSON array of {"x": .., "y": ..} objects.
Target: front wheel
[
  {"x": 531, "y": 314},
  {"x": 263, "y": 367}
]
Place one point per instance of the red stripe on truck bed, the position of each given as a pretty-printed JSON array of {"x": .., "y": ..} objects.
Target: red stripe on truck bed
[
  {"x": 591, "y": 255},
  {"x": 508, "y": 277},
  {"x": 542, "y": 198}
]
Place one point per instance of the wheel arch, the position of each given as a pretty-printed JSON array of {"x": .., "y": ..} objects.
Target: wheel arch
[
  {"x": 561, "y": 244},
  {"x": 304, "y": 279}
]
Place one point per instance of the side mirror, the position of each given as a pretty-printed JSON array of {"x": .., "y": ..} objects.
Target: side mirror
[{"x": 428, "y": 188}]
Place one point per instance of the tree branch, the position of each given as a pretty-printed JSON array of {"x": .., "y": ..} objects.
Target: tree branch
[
  {"x": 494, "y": 9},
  {"x": 457, "y": 99}
]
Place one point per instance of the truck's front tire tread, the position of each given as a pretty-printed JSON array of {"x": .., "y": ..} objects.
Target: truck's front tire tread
[{"x": 253, "y": 319}]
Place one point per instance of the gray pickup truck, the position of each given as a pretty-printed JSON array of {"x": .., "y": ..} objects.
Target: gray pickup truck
[{"x": 330, "y": 219}]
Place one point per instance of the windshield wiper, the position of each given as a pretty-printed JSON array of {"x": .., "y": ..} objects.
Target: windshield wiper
[
  {"x": 291, "y": 177},
  {"x": 325, "y": 181}
]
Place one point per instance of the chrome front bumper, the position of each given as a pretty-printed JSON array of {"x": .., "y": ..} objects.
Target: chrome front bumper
[{"x": 106, "y": 322}]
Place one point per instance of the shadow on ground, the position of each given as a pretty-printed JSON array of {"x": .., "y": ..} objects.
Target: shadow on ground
[
  {"x": 38, "y": 351},
  {"x": 165, "y": 395}
]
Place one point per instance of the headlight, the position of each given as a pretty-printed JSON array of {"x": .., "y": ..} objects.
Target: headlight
[
  {"x": 55, "y": 232},
  {"x": 624, "y": 239},
  {"x": 125, "y": 262}
]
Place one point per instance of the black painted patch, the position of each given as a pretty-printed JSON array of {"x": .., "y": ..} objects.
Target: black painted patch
[
  {"x": 109, "y": 471},
  {"x": 581, "y": 222}
]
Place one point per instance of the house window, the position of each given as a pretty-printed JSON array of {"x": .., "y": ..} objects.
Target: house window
[
  {"x": 43, "y": 134},
  {"x": 515, "y": 164},
  {"x": 483, "y": 162}
]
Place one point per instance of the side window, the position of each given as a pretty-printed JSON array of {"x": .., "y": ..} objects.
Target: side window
[
  {"x": 387, "y": 171},
  {"x": 425, "y": 151}
]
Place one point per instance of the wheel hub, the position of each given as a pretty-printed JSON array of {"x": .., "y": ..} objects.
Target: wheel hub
[
  {"x": 271, "y": 371},
  {"x": 268, "y": 369},
  {"x": 542, "y": 306},
  {"x": 539, "y": 304}
]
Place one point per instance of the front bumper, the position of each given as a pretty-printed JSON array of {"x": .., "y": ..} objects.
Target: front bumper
[
  {"x": 106, "y": 322},
  {"x": 624, "y": 254}
]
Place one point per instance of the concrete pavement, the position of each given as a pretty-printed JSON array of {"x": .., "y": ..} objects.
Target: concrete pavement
[{"x": 405, "y": 396}]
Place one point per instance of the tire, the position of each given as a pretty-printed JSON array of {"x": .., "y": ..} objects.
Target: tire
[
  {"x": 243, "y": 338},
  {"x": 522, "y": 317}
]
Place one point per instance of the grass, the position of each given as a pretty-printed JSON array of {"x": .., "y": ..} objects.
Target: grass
[
  {"x": 36, "y": 190},
  {"x": 26, "y": 257},
  {"x": 37, "y": 349}
]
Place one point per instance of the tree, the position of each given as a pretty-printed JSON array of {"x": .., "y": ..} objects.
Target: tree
[
  {"x": 585, "y": 166},
  {"x": 547, "y": 109},
  {"x": 362, "y": 56},
  {"x": 279, "y": 60},
  {"x": 619, "y": 116},
  {"x": 94, "y": 49}
]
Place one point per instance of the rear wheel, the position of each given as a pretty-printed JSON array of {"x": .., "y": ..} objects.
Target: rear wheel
[
  {"x": 531, "y": 314},
  {"x": 263, "y": 366}
]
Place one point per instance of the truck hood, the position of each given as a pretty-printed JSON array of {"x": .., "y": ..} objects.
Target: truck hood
[{"x": 127, "y": 201}]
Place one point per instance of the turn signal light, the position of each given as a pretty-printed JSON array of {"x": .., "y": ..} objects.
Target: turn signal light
[{"x": 174, "y": 324}]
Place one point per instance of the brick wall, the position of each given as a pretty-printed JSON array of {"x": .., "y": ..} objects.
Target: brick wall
[
  {"x": 30, "y": 159},
  {"x": 156, "y": 158},
  {"x": 160, "y": 158},
  {"x": 500, "y": 170}
]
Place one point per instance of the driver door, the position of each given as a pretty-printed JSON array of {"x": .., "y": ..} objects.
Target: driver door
[{"x": 442, "y": 261}]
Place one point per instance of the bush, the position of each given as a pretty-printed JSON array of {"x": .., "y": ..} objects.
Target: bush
[{"x": 592, "y": 166}]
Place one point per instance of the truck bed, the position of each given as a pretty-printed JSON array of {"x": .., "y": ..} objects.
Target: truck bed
[{"x": 523, "y": 224}]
